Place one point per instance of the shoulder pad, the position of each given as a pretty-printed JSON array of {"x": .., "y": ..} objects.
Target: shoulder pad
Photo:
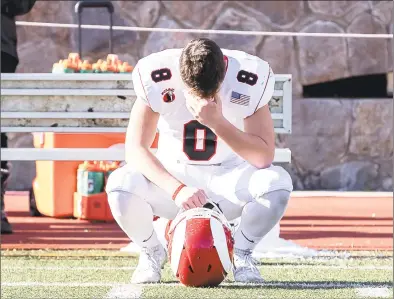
[
  {"x": 250, "y": 78},
  {"x": 154, "y": 74}
]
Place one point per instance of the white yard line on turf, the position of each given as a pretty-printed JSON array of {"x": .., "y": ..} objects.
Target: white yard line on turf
[
  {"x": 292, "y": 285},
  {"x": 49, "y": 268},
  {"x": 306, "y": 285},
  {"x": 373, "y": 292},
  {"x": 68, "y": 268},
  {"x": 60, "y": 284},
  {"x": 125, "y": 291}
]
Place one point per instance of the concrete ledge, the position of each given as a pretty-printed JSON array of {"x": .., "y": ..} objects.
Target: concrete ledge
[{"x": 345, "y": 194}]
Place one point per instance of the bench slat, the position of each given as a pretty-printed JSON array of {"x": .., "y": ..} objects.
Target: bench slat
[
  {"x": 66, "y": 115},
  {"x": 86, "y": 77},
  {"x": 282, "y": 155},
  {"x": 64, "y": 129},
  {"x": 66, "y": 92},
  {"x": 79, "y": 92},
  {"x": 64, "y": 77},
  {"x": 80, "y": 115}
]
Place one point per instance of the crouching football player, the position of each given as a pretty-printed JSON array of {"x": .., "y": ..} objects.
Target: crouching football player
[{"x": 216, "y": 142}]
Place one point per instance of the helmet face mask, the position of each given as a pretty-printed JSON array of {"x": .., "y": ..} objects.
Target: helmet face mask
[{"x": 200, "y": 247}]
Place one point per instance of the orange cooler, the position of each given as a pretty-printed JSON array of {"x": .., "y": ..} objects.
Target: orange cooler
[{"x": 56, "y": 181}]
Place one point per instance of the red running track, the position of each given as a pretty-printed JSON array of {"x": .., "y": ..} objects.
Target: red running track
[{"x": 319, "y": 220}]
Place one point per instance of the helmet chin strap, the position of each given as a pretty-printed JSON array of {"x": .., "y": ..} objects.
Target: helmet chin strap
[{"x": 210, "y": 205}]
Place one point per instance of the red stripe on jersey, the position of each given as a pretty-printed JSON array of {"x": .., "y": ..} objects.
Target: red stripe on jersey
[{"x": 226, "y": 61}]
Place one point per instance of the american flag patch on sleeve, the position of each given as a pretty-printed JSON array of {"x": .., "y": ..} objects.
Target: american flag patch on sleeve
[{"x": 240, "y": 99}]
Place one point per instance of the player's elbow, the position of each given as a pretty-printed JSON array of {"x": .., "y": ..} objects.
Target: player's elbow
[
  {"x": 262, "y": 164},
  {"x": 263, "y": 154},
  {"x": 264, "y": 160}
]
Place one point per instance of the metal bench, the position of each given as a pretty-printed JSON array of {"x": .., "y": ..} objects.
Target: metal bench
[{"x": 92, "y": 103}]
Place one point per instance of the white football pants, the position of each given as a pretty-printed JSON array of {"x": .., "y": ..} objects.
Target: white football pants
[{"x": 258, "y": 196}]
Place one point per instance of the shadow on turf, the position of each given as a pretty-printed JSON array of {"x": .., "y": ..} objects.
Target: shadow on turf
[
  {"x": 297, "y": 285},
  {"x": 300, "y": 235}
]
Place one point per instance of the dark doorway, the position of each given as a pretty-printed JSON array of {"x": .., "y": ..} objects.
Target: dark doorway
[{"x": 368, "y": 86}]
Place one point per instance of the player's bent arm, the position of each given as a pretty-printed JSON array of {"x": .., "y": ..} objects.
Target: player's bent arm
[
  {"x": 140, "y": 135},
  {"x": 257, "y": 143}
]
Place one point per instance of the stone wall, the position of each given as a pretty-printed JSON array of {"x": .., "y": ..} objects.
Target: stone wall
[
  {"x": 337, "y": 144},
  {"x": 341, "y": 144}
]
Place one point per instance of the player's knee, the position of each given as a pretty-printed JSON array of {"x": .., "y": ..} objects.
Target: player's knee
[
  {"x": 282, "y": 180},
  {"x": 253, "y": 211},
  {"x": 262, "y": 214},
  {"x": 125, "y": 191},
  {"x": 277, "y": 200},
  {"x": 128, "y": 206},
  {"x": 127, "y": 180},
  {"x": 119, "y": 203},
  {"x": 270, "y": 206},
  {"x": 133, "y": 215},
  {"x": 271, "y": 189},
  {"x": 270, "y": 179}
]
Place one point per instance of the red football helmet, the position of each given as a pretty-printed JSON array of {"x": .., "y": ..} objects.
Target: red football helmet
[{"x": 200, "y": 247}]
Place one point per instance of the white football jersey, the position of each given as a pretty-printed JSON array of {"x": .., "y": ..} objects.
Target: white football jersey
[{"x": 248, "y": 85}]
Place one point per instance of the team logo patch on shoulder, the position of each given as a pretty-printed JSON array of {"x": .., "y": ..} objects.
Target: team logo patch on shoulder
[
  {"x": 239, "y": 98},
  {"x": 168, "y": 95}
]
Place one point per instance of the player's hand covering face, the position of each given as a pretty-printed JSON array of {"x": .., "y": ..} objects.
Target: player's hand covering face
[{"x": 207, "y": 111}]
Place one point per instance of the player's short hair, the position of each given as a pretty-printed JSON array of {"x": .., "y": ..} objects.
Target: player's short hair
[{"x": 202, "y": 67}]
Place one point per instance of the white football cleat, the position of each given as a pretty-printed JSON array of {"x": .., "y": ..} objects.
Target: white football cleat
[
  {"x": 150, "y": 263},
  {"x": 245, "y": 270}
]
